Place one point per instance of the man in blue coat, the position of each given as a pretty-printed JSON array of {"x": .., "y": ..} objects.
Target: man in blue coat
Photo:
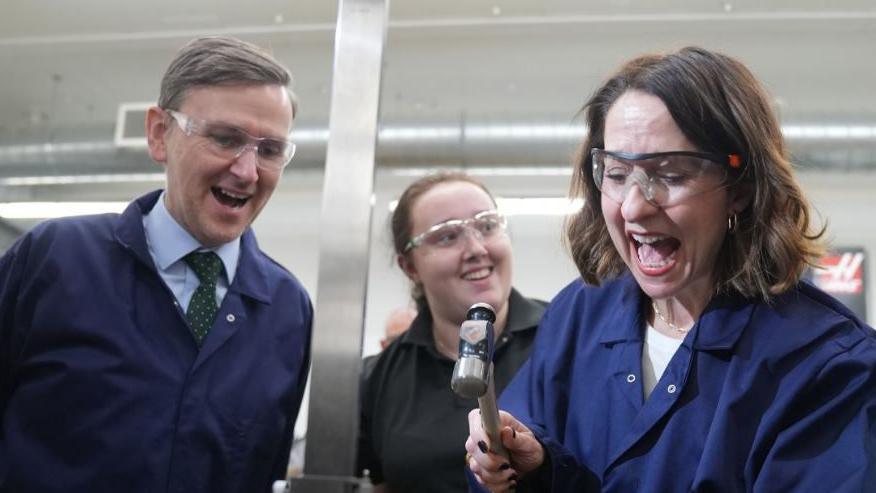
[{"x": 161, "y": 349}]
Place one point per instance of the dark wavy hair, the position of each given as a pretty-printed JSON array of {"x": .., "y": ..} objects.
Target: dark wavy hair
[
  {"x": 720, "y": 107},
  {"x": 401, "y": 223}
]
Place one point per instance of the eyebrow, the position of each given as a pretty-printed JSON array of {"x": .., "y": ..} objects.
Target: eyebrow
[
  {"x": 222, "y": 123},
  {"x": 463, "y": 218}
]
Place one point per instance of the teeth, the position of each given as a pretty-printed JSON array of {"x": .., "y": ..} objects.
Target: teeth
[
  {"x": 232, "y": 195},
  {"x": 648, "y": 239},
  {"x": 643, "y": 240},
  {"x": 478, "y": 274},
  {"x": 656, "y": 265}
]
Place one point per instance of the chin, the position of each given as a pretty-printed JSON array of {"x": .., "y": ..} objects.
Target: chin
[
  {"x": 493, "y": 300},
  {"x": 217, "y": 238}
]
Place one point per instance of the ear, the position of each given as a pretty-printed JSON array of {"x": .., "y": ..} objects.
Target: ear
[
  {"x": 407, "y": 266},
  {"x": 156, "y": 134},
  {"x": 740, "y": 199}
]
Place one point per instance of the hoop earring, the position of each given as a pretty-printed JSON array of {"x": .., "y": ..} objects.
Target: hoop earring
[{"x": 732, "y": 223}]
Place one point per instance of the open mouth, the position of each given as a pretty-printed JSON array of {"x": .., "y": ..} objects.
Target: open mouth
[
  {"x": 477, "y": 275},
  {"x": 655, "y": 252},
  {"x": 229, "y": 199}
]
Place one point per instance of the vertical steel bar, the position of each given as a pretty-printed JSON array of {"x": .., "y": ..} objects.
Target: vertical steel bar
[{"x": 332, "y": 430}]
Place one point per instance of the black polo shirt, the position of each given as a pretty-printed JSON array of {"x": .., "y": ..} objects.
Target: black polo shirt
[{"x": 413, "y": 427}]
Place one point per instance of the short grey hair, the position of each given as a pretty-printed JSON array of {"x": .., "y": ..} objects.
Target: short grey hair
[{"x": 220, "y": 61}]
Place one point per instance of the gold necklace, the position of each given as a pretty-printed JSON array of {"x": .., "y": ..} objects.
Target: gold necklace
[{"x": 667, "y": 322}]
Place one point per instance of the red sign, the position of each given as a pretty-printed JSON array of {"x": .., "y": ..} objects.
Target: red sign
[{"x": 841, "y": 273}]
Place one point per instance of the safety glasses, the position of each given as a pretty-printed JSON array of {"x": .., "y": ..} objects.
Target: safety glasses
[
  {"x": 485, "y": 226},
  {"x": 229, "y": 142},
  {"x": 665, "y": 178}
]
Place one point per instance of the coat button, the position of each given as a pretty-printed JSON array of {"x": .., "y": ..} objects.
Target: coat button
[
  {"x": 631, "y": 378},
  {"x": 671, "y": 389},
  {"x": 230, "y": 317}
]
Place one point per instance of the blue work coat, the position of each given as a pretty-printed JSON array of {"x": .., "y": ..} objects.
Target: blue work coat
[
  {"x": 759, "y": 397},
  {"x": 102, "y": 386}
]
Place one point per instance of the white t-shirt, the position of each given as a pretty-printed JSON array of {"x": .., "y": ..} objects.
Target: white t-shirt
[{"x": 656, "y": 353}]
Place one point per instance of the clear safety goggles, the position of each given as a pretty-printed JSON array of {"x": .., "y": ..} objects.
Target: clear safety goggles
[
  {"x": 229, "y": 142},
  {"x": 485, "y": 226},
  {"x": 664, "y": 178}
]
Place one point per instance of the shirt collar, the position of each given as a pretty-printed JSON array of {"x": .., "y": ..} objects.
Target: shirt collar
[
  {"x": 169, "y": 242},
  {"x": 523, "y": 314},
  {"x": 420, "y": 332},
  {"x": 624, "y": 321},
  {"x": 719, "y": 327},
  {"x": 723, "y": 321}
]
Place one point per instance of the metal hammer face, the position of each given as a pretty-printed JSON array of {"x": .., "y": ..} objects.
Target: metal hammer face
[{"x": 471, "y": 375}]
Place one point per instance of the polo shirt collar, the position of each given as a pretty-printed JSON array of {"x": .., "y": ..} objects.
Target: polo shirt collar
[{"x": 523, "y": 314}]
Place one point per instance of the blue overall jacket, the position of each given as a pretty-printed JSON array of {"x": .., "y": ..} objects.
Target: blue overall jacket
[
  {"x": 102, "y": 386},
  {"x": 759, "y": 397}
]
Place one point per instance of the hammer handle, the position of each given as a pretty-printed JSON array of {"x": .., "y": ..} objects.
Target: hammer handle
[{"x": 490, "y": 417}]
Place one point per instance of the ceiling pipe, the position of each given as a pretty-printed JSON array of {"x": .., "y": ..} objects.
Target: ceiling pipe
[{"x": 460, "y": 144}]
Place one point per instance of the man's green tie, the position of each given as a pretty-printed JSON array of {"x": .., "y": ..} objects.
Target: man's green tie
[{"x": 202, "y": 307}]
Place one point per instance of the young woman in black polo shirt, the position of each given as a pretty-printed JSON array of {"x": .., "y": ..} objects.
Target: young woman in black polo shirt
[{"x": 452, "y": 244}]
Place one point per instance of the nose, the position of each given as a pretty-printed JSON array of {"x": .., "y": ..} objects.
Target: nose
[
  {"x": 245, "y": 165},
  {"x": 637, "y": 204},
  {"x": 473, "y": 242}
]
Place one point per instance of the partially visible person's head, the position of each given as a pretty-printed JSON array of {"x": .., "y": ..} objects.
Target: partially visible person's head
[
  {"x": 698, "y": 101},
  {"x": 398, "y": 321},
  {"x": 221, "y": 129},
  {"x": 465, "y": 261}
]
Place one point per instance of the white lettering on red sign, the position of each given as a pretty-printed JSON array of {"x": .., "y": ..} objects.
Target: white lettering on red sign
[{"x": 841, "y": 274}]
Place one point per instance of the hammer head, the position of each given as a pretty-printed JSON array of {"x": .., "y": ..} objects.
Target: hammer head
[{"x": 472, "y": 371}]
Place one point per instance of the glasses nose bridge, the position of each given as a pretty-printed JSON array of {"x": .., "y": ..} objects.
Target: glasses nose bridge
[
  {"x": 470, "y": 231},
  {"x": 646, "y": 183},
  {"x": 256, "y": 160},
  {"x": 250, "y": 143}
]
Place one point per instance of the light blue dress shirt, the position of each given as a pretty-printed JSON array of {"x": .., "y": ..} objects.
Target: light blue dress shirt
[{"x": 169, "y": 242}]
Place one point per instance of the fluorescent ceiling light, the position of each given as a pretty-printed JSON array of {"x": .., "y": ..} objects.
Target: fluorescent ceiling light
[
  {"x": 538, "y": 206},
  {"x": 537, "y": 131},
  {"x": 488, "y": 171},
  {"x": 310, "y": 135},
  {"x": 571, "y": 132},
  {"x": 530, "y": 206},
  {"x": 842, "y": 132},
  {"x": 49, "y": 148},
  {"x": 81, "y": 179},
  {"x": 46, "y": 210},
  {"x": 418, "y": 133}
]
